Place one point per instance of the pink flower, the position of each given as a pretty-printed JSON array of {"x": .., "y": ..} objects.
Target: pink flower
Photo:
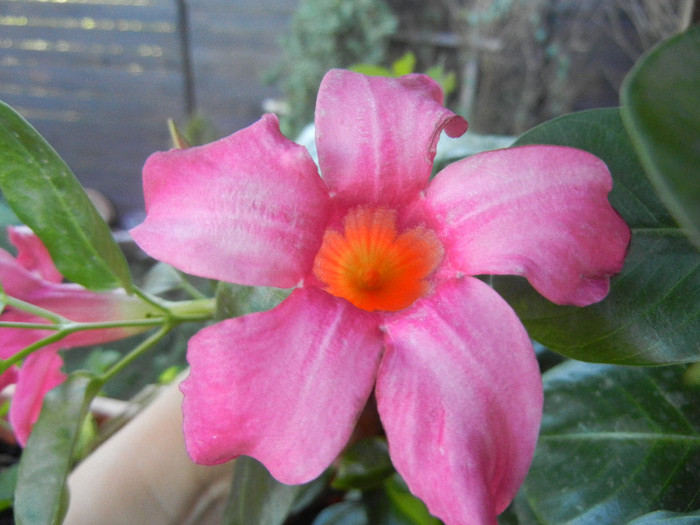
[
  {"x": 383, "y": 263},
  {"x": 33, "y": 278}
]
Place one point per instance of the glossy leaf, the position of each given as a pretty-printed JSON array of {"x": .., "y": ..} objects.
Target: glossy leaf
[
  {"x": 652, "y": 313},
  {"x": 395, "y": 505},
  {"x": 616, "y": 443},
  {"x": 41, "y": 497},
  {"x": 8, "y": 482},
  {"x": 364, "y": 465},
  {"x": 343, "y": 513},
  {"x": 256, "y": 497},
  {"x": 47, "y": 197},
  {"x": 661, "y": 111},
  {"x": 667, "y": 518}
]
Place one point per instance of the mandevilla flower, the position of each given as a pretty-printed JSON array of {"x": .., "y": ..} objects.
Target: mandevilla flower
[
  {"x": 383, "y": 264},
  {"x": 33, "y": 278}
]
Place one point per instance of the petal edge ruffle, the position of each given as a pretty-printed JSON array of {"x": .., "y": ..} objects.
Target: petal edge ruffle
[
  {"x": 537, "y": 211},
  {"x": 249, "y": 208},
  {"x": 376, "y": 137},
  {"x": 284, "y": 386}
]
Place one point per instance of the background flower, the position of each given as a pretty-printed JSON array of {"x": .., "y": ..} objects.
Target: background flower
[{"x": 32, "y": 277}]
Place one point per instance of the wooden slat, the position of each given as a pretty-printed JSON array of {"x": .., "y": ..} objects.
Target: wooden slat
[
  {"x": 99, "y": 78},
  {"x": 233, "y": 49}
]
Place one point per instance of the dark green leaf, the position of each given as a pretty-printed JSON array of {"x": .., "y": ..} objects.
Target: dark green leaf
[
  {"x": 343, "y": 513},
  {"x": 47, "y": 197},
  {"x": 365, "y": 464},
  {"x": 41, "y": 497},
  {"x": 652, "y": 314},
  {"x": 312, "y": 493},
  {"x": 407, "y": 504},
  {"x": 8, "y": 482},
  {"x": 667, "y": 518},
  {"x": 518, "y": 513},
  {"x": 661, "y": 111},
  {"x": 257, "y": 498},
  {"x": 393, "y": 504},
  {"x": 616, "y": 443}
]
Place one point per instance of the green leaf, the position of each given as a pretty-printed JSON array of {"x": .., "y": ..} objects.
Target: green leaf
[
  {"x": 364, "y": 465},
  {"x": 652, "y": 313},
  {"x": 663, "y": 517},
  {"x": 47, "y": 197},
  {"x": 41, "y": 497},
  {"x": 8, "y": 482},
  {"x": 404, "y": 65},
  {"x": 257, "y": 498},
  {"x": 343, "y": 513},
  {"x": 393, "y": 504},
  {"x": 615, "y": 443},
  {"x": 661, "y": 109},
  {"x": 371, "y": 70}
]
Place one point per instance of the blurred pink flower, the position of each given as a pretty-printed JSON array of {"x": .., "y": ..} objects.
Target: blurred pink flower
[
  {"x": 33, "y": 278},
  {"x": 383, "y": 263}
]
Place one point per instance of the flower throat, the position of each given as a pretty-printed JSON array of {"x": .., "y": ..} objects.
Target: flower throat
[{"x": 372, "y": 265}]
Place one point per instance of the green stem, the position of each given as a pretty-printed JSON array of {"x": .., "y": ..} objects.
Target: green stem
[
  {"x": 152, "y": 300},
  {"x": 174, "y": 313},
  {"x": 29, "y": 326},
  {"x": 36, "y": 345},
  {"x": 143, "y": 347},
  {"x": 200, "y": 309},
  {"x": 189, "y": 288},
  {"x": 33, "y": 309},
  {"x": 71, "y": 326},
  {"x": 189, "y": 311}
]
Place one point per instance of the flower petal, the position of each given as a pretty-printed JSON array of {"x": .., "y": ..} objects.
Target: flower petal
[
  {"x": 249, "y": 208},
  {"x": 12, "y": 340},
  {"x": 537, "y": 211},
  {"x": 460, "y": 395},
  {"x": 32, "y": 254},
  {"x": 17, "y": 281},
  {"x": 8, "y": 377},
  {"x": 284, "y": 386},
  {"x": 81, "y": 305},
  {"x": 40, "y": 372},
  {"x": 377, "y": 137}
]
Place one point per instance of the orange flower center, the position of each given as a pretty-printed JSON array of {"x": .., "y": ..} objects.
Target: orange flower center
[{"x": 373, "y": 266}]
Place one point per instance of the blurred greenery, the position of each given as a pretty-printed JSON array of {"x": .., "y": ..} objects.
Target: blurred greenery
[{"x": 328, "y": 34}]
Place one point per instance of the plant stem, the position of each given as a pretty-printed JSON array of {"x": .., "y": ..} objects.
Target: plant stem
[
  {"x": 33, "y": 309},
  {"x": 12, "y": 360},
  {"x": 143, "y": 347}
]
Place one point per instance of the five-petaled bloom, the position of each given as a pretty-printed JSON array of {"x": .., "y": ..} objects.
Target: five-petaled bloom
[
  {"x": 33, "y": 278},
  {"x": 383, "y": 263}
]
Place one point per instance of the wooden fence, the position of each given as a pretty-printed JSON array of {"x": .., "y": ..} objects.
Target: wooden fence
[{"x": 99, "y": 78}]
